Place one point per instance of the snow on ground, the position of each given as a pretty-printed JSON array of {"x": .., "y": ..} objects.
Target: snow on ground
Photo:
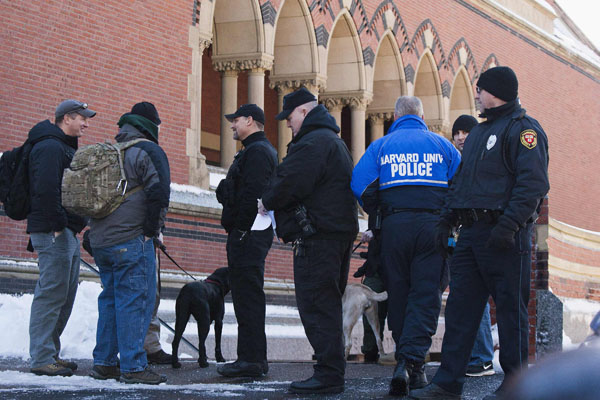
[
  {"x": 79, "y": 338},
  {"x": 79, "y": 383}
]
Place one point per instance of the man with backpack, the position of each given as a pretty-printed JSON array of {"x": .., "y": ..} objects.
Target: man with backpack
[
  {"x": 53, "y": 233},
  {"x": 123, "y": 248}
]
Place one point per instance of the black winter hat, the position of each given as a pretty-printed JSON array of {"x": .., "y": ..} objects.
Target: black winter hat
[
  {"x": 146, "y": 110},
  {"x": 500, "y": 82},
  {"x": 463, "y": 123},
  {"x": 293, "y": 100}
]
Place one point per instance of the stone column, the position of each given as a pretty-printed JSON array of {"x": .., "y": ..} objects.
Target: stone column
[
  {"x": 335, "y": 106},
  {"x": 376, "y": 122},
  {"x": 358, "y": 117},
  {"x": 228, "y": 106},
  {"x": 284, "y": 134},
  {"x": 197, "y": 172},
  {"x": 256, "y": 87}
]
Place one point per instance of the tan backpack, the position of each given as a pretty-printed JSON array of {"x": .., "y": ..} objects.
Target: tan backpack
[{"x": 95, "y": 184}]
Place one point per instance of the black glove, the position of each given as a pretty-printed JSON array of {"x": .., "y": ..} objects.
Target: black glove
[
  {"x": 86, "y": 243},
  {"x": 361, "y": 271},
  {"x": 443, "y": 229},
  {"x": 503, "y": 234}
]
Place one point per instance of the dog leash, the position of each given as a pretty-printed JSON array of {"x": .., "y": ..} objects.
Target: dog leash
[
  {"x": 162, "y": 322},
  {"x": 163, "y": 248},
  {"x": 356, "y": 247}
]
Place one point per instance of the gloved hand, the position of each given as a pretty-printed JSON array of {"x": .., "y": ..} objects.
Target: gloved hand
[
  {"x": 361, "y": 271},
  {"x": 502, "y": 235},
  {"x": 443, "y": 230},
  {"x": 86, "y": 243}
]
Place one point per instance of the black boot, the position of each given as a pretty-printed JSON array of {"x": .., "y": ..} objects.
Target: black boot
[
  {"x": 242, "y": 369},
  {"x": 433, "y": 392},
  {"x": 418, "y": 379},
  {"x": 401, "y": 378},
  {"x": 314, "y": 386}
]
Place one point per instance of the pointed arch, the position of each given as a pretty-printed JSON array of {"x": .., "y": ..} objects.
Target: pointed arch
[
  {"x": 462, "y": 100},
  {"x": 427, "y": 37},
  {"x": 428, "y": 88},
  {"x": 237, "y": 28},
  {"x": 295, "y": 44},
  {"x": 388, "y": 77},
  {"x": 345, "y": 63},
  {"x": 490, "y": 62},
  {"x": 461, "y": 54}
]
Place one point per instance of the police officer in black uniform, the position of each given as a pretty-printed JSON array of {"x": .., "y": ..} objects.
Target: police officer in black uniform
[
  {"x": 495, "y": 196},
  {"x": 315, "y": 209},
  {"x": 249, "y": 175},
  {"x": 409, "y": 169}
]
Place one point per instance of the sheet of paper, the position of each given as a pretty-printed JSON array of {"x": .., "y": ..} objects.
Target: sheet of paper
[{"x": 261, "y": 222}]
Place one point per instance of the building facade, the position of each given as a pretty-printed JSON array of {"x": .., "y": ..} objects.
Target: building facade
[{"x": 197, "y": 60}]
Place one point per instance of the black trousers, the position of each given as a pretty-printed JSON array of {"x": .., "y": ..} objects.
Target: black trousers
[
  {"x": 320, "y": 278},
  {"x": 476, "y": 273},
  {"x": 413, "y": 273},
  {"x": 246, "y": 261}
]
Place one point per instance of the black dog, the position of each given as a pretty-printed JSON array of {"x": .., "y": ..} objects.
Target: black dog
[{"x": 205, "y": 300}]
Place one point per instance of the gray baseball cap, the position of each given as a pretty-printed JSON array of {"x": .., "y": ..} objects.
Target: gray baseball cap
[{"x": 69, "y": 106}]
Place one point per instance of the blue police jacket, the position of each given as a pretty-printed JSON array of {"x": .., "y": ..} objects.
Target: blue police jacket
[{"x": 410, "y": 166}]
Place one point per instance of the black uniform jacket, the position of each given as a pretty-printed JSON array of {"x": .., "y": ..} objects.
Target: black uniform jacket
[
  {"x": 47, "y": 162},
  {"x": 315, "y": 173},
  {"x": 504, "y": 165},
  {"x": 250, "y": 174}
]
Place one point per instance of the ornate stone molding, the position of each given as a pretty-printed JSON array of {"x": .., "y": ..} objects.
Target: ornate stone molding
[
  {"x": 204, "y": 44},
  {"x": 290, "y": 84},
  {"x": 358, "y": 101},
  {"x": 264, "y": 62},
  {"x": 380, "y": 117}
]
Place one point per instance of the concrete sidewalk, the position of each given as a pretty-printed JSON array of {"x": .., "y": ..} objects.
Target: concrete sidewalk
[{"x": 363, "y": 381}]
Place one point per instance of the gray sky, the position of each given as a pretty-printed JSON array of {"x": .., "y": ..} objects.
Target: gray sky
[{"x": 585, "y": 14}]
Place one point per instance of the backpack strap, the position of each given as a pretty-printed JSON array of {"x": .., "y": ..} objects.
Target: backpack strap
[{"x": 120, "y": 147}]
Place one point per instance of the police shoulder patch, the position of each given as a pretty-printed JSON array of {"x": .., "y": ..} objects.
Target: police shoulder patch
[{"x": 529, "y": 138}]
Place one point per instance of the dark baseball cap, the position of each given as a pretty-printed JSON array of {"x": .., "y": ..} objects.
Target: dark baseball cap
[
  {"x": 293, "y": 100},
  {"x": 248, "y": 110},
  {"x": 69, "y": 106}
]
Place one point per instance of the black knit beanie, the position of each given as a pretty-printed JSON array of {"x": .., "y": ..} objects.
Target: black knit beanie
[
  {"x": 463, "y": 123},
  {"x": 500, "y": 82},
  {"x": 146, "y": 110}
]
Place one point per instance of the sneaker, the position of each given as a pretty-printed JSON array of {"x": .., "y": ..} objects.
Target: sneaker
[
  {"x": 160, "y": 357},
  {"x": 485, "y": 369},
  {"x": 67, "y": 364},
  {"x": 104, "y": 372},
  {"x": 146, "y": 376},
  {"x": 53, "y": 369}
]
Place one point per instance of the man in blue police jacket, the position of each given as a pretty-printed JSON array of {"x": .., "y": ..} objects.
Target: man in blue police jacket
[
  {"x": 405, "y": 174},
  {"x": 495, "y": 196}
]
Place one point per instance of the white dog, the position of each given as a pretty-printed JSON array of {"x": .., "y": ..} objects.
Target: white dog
[{"x": 359, "y": 299}]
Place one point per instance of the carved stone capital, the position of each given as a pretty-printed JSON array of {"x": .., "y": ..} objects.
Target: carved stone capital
[
  {"x": 380, "y": 117},
  {"x": 249, "y": 62},
  {"x": 290, "y": 84},
  {"x": 358, "y": 101},
  {"x": 204, "y": 44}
]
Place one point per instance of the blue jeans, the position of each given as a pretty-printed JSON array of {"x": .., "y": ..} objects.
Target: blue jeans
[
  {"x": 58, "y": 261},
  {"x": 128, "y": 276},
  {"x": 483, "y": 348}
]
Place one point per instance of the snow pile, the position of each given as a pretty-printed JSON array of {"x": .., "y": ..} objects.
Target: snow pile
[
  {"x": 187, "y": 194},
  {"x": 79, "y": 338}
]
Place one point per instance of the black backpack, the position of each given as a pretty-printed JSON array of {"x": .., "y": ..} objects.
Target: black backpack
[{"x": 14, "y": 180}]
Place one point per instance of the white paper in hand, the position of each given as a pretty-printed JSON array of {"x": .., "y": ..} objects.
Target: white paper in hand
[{"x": 261, "y": 223}]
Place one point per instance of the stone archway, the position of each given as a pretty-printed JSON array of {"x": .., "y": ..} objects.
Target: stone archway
[
  {"x": 462, "y": 100},
  {"x": 389, "y": 83},
  {"x": 429, "y": 90},
  {"x": 346, "y": 82}
]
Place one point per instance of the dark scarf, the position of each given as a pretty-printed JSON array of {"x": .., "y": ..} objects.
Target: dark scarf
[{"x": 144, "y": 125}]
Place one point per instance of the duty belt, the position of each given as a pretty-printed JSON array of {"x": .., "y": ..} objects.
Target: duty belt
[
  {"x": 389, "y": 211},
  {"x": 468, "y": 216}
]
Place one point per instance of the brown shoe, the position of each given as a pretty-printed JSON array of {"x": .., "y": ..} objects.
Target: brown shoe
[
  {"x": 146, "y": 376},
  {"x": 160, "y": 357},
  {"x": 103, "y": 372},
  {"x": 53, "y": 369},
  {"x": 67, "y": 364}
]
